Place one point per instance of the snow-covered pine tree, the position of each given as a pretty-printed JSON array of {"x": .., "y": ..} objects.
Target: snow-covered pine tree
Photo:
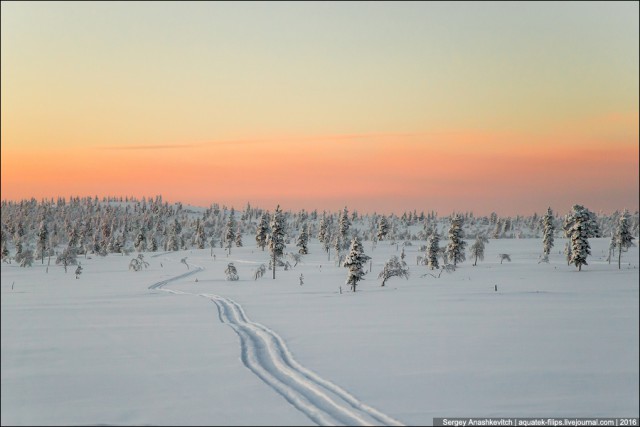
[
  {"x": 18, "y": 244},
  {"x": 394, "y": 268},
  {"x": 239, "y": 240},
  {"x": 506, "y": 226},
  {"x": 173, "y": 242},
  {"x": 497, "y": 232},
  {"x": 493, "y": 218},
  {"x": 41, "y": 246},
  {"x": 303, "y": 240},
  {"x": 588, "y": 219},
  {"x": 201, "y": 238},
  {"x": 231, "y": 272},
  {"x": 548, "y": 228},
  {"x": 322, "y": 230},
  {"x": 262, "y": 231},
  {"x": 337, "y": 245},
  {"x": 84, "y": 239},
  {"x": 477, "y": 249},
  {"x": 612, "y": 246},
  {"x": 579, "y": 226},
  {"x": 433, "y": 248},
  {"x": 119, "y": 244},
  {"x": 98, "y": 246},
  {"x": 567, "y": 252},
  {"x": 177, "y": 227},
  {"x": 594, "y": 228},
  {"x": 4, "y": 252},
  {"x": 455, "y": 248},
  {"x": 354, "y": 262},
  {"x": 326, "y": 244},
  {"x": 623, "y": 238},
  {"x": 73, "y": 237},
  {"x": 383, "y": 228},
  {"x": 276, "y": 238},
  {"x": 344, "y": 225},
  {"x": 230, "y": 231},
  {"x": 141, "y": 241},
  {"x": 152, "y": 244}
]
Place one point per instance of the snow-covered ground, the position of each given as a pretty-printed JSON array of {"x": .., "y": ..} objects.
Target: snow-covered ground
[{"x": 124, "y": 347}]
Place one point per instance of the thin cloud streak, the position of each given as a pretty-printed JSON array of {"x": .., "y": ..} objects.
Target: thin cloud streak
[
  {"x": 146, "y": 147},
  {"x": 338, "y": 137},
  {"x": 312, "y": 138}
]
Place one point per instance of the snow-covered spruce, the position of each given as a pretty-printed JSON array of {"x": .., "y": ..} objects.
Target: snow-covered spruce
[
  {"x": 383, "y": 228},
  {"x": 433, "y": 248},
  {"x": 200, "y": 237},
  {"x": 231, "y": 272},
  {"x": 303, "y": 240},
  {"x": 578, "y": 226},
  {"x": 276, "y": 238},
  {"x": 455, "y": 248},
  {"x": 548, "y": 229},
  {"x": 262, "y": 231},
  {"x": 322, "y": 229},
  {"x": 172, "y": 241},
  {"x": 141, "y": 241},
  {"x": 230, "y": 232},
  {"x": 622, "y": 236},
  {"x": 354, "y": 261},
  {"x": 41, "y": 245},
  {"x": 567, "y": 252},
  {"x": 343, "y": 229}
]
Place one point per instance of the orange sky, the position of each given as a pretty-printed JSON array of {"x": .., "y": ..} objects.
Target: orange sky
[
  {"x": 423, "y": 171},
  {"x": 505, "y": 107}
]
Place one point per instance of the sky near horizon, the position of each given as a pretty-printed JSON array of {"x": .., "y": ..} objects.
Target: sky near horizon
[{"x": 379, "y": 106}]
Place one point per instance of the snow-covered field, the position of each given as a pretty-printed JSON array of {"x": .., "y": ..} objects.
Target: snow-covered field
[{"x": 124, "y": 347}]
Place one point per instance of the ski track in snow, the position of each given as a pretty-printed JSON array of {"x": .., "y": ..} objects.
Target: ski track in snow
[
  {"x": 160, "y": 254},
  {"x": 160, "y": 284},
  {"x": 265, "y": 354}
]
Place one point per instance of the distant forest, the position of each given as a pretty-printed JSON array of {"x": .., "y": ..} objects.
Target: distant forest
[{"x": 123, "y": 225}]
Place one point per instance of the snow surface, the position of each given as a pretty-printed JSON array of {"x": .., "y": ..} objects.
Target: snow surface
[{"x": 157, "y": 347}]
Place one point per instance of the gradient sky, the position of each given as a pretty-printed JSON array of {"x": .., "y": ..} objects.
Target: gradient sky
[{"x": 505, "y": 107}]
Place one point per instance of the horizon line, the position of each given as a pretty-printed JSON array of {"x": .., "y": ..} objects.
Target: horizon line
[{"x": 229, "y": 206}]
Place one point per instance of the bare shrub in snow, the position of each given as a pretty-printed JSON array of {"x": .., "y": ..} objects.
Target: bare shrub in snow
[
  {"x": 504, "y": 257},
  {"x": 259, "y": 272},
  {"x": 66, "y": 258},
  {"x": 393, "y": 268}
]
